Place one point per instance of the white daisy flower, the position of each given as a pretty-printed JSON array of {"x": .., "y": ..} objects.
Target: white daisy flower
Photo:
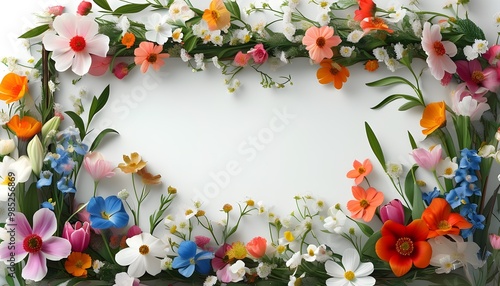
[{"x": 142, "y": 254}]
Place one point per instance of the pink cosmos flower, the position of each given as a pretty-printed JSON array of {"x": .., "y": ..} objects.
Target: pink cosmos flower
[
  {"x": 78, "y": 235},
  {"x": 100, "y": 65},
  {"x": 149, "y": 54},
  {"x": 76, "y": 39},
  {"x": 259, "y": 54},
  {"x": 477, "y": 79},
  {"x": 462, "y": 91},
  {"x": 428, "y": 159},
  {"x": 394, "y": 211},
  {"x": 241, "y": 59},
  {"x": 438, "y": 52},
  {"x": 97, "y": 167},
  {"x": 319, "y": 42},
  {"x": 38, "y": 243}
]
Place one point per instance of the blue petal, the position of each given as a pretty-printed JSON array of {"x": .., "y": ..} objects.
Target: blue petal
[
  {"x": 188, "y": 271},
  {"x": 98, "y": 222},
  {"x": 119, "y": 219},
  {"x": 203, "y": 266},
  {"x": 114, "y": 205},
  {"x": 187, "y": 249},
  {"x": 96, "y": 205},
  {"x": 180, "y": 262}
]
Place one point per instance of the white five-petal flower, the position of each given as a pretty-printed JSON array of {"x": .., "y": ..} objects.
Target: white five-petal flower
[
  {"x": 353, "y": 271},
  {"x": 142, "y": 255}
]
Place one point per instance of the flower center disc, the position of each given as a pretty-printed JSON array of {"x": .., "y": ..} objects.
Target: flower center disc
[
  {"x": 404, "y": 246},
  {"x": 349, "y": 275},
  {"x": 439, "y": 48},
  {"x": 364, "y": 204},
  {"x": 32, "y": 243},
  {"x": 320, "y": 42},
  {"x": 77, "y": 43},
  {"x": 144, "y": 249},
  {"x": 477, "y": 76}
]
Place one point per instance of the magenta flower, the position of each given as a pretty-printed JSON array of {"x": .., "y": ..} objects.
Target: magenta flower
[
  {"x": 133, "y": 231},
  {"x": 438, "y": 52},
  {"x": 492, "y": 55},
  {"x": 97, "y": 167},
  {"x": 76, "y": 39},
  {"x": 120, "y": 70},
  {"x": 477, "y": 79},
  {"x": 428, "y": 159},
  {"x": 394, "y": 211},
  {"x": 78, "y": 235},
  {"x": 259, "y": 54},
  {"x": 38, "y": 243}
]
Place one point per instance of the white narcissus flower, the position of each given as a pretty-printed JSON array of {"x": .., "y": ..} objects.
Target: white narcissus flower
[
  {"x": 463, "y": 252},
  {"x": 294, "y": 261},
  {"x": 180, "y": 11},
  {"x": 142, "y": 254},
  {"x": 13, "y": 172},
  {"x": 76, "y": 39},
  {"x": 238, "y": 271},
  {"x": 354, "y": 272},
  {"x": 158, "y": 30},
  {"x": 310, "y": 254}
]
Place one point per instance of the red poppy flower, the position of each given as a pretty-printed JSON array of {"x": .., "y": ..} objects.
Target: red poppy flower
[
  {"x": 366, "y": 9},
  {"x": 404, "y": 246}
]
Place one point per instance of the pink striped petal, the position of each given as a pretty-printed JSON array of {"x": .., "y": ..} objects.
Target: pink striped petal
[
  {"x": 44, "y": 223},
  {"x": 36, "y": 268},
  {"x": 56, "y": 248}
]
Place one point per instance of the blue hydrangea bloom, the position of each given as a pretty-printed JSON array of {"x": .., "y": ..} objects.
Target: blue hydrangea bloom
[
  {"x": 106, "y": 213},
  {"x": 192, "y": 259},
  {"x": 470, "y": 159}
]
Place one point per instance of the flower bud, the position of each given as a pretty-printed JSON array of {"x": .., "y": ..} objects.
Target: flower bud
[
  {"x": 227, "y": 208},
  {"x": 35, "y": 154},
  {"x": 79, "y": 236},
  {"x": 171, "y": 190},
  {"x": 7, "y": 146},
  {"x": 84, "y": 8},
  {"x": 55, "y": 10},
  {"x": 393, "y": 211},
  {"x": 495, "y": 241},
  {"x": 121, "y": 70},
  {"x": 51, "y": 125}
]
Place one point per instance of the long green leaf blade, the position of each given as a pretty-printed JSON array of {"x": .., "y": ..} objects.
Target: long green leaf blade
[
  {"x": 375, "y": 145},
  {"x": 130, "y": 8},
  {"x": 98, "y": 103},
  {"x": 99, "y": 138},
  {"x": 35, "y": 32},
  {"x": 78, "y": 121},
  {"x": 103, "y": 4}
]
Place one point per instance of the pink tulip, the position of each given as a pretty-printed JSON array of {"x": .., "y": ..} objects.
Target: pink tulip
[
  {"x": 393, "y": 211},
  {"x": 495, "y": 241},
  {"x": 428, "y": 159},
  {"x": 79, "y": 236},
  {"x": 97, "y": 167},
  {"x": 84, "y": 8}
]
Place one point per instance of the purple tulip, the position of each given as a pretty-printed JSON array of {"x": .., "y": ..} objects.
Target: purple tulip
[
  {"x": 78, "y": 236},
  {"x": 393, "y": 211}
]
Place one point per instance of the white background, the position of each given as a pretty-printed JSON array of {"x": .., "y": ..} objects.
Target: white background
[{"x": 189, "y": 129}]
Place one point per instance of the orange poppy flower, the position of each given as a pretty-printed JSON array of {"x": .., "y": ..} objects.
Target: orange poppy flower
[
  {"x": 366, "y": 9},
  {"x": 128, "y": 40},
  {"x": 24, "y": 128},
  {"x": 374, "y": 23},
  {"x": 371, "y": 65},
  {"x": 13, "y": 87},
  {"x": 433, "y": 117},
  {"x": 441, "y": 220},
  {"x": 217, "y": 16},
  {"x": 148, "y": 178},
  {"x": 404, "y": 246},
  {"x": 132, "y": 164},
  {"x": 77, "y": 263},
  {"x": 360, "y": 171},
  {"x": 331, "y": 71},
  {"x": 365, "y": 203}
]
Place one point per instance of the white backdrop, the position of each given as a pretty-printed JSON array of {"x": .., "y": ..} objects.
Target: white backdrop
[{"x": 264, "y": 144}]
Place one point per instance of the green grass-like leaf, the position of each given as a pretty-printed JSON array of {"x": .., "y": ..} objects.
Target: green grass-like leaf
[
  {"x": 130, "y": 8},
  {"x": 375, "y": 145},
  {"x": 35, "y": 32},
  {"x": 99, "y": 138},
  {"x": 103, "y": 4}
]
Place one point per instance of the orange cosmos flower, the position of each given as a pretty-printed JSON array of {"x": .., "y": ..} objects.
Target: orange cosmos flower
[
  {"x": 217, "y": 16},
  {"x": 433, "y": 117},
  {"x": 441, "y": 220},
  {"x": 331, "y": 71},
  {"x": 13, "y": 87},
  {"x": 77, "y": 263},
  {"x": 365, "y": 203},
  {"x": 371, "y": 65},
  {"x": 360, "y": 171},
  {"x": 148, "y": 53},
  {"x": 404, "y": 246},
  {"x": 319, "y": 42},
  {"x": 132, "y": 164},
  {"x": 128, "y": 40},
  {"x": 24, "y": 128},
  {"x": 366, "y": 10},
  {"x": 374, "y": 23}
]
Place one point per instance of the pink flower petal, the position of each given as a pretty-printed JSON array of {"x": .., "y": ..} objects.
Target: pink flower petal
[
  {"x": 22, "y": 228},
  {"x": 81, "y": 63},
  {"x": 6, "y": 251},
  {"x": 63, "y": 60},
  {"x": 65, "y": 25},
  {"x": 56, "y": 248},
  {"x": 44, "y": 223},
  {"x": 36, "y": 268},
  {"x": 86, "y": 27}
]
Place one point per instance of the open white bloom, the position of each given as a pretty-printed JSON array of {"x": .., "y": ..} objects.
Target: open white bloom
[
  {"x": 446, "y": 265},
  {"x": 457, "y": 249},
  {"x": 335, "y": 220},
  {"x": 310, "y": 254},
  {"x": 355, "y": 36},
  {"x": 354, "y": 272},
  {"x": 210, "y": 281},
  {"x": 380, "y": 54},
  {"x": 470, "y": 107},
  {"x": 238, "y": 271},
  {"x": 123, "y": 24},
  {"x": 142, "y": 254},
  {"x": 13, "y": 172},
  {"x": 180, "y": 11},
  {"x": 289, "y": 31},
  {"x": 346, "y": 51},
  {"x": 158, "y": 30},
  {"x": 294, "y": 279},
  {"x": 294, "y": 261},
  {"x": 264, "y": 269},
  {"x": 400, "y": 50},
  {"x": 487, "y": 151},
  {"x": 7, "y": 146},
  {"x": 123, "y": 279},
  {"x": 446, "y": 168},
  {"x": 393, "y": 64}
]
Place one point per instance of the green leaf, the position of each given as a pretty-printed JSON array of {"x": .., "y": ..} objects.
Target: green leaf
[
  {"x": 390, "y": 80},
  {"x": 470, "y": 29},
  {"x": 35, "y": 32},
  {"x": 130, "y": 8},
  {"x": 394, "y": 97},
  {"x": 233, "y": 8},
  {"x": 103, "y": 4},
  {"x": 78, "y": 121},
  {"x": 30, "y": 202},
  {"x": 409, "y": 186},
  {"x": 99, "y": 137},
  {"x": 366, "y": 229},
  {"x": 98, "y": 103},
  {"x": 418, "y": 203},
  {"x": 190, "y": 41},
  {"x": 412, "y": 141},
  {"x": 409, "y": 105},
  {"x": 369, "y": 247},
  {"x": 375, "y": 145}
]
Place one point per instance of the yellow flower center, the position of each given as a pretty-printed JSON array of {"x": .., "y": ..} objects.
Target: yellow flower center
[
  {"x": 289, "y": 236},
  {"x": 311, "y": 252},
  {"x": 448, "y": 171},
  {"x": 104, "y": 215},
  {"x": 443, "y": 225},
  {"x": 349, "y": 275},
  {"x": 364, "y": 204},
  {"x": 144, "y": 249}
]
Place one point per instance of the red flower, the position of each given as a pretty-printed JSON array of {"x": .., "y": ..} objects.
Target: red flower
[
  {"x": 366, "y": 9},
  {"x": 404, "y": 246},
  {"x": 440, "y": 220}
]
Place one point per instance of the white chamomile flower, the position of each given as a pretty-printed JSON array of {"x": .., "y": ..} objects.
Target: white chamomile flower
[
  {"x": 210, "y": 280},
  {"x": 392, "y": 64},
  {"x": 496, "y": 19},
  {"x": 394, "y": 170},
  {"x": 355, "y": 36},
  {"x": 158, "y": 30},
  {"x": 346, "y": 52},
  {"x": 184, "y": 55},
  {"x": 399, "y": 50},
  {"x": 166, "y": 263},
  {"x": 380, "y": 54}
]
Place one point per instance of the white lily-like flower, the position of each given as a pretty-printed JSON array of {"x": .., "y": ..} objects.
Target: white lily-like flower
[{"x": 13, "y": 172}]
